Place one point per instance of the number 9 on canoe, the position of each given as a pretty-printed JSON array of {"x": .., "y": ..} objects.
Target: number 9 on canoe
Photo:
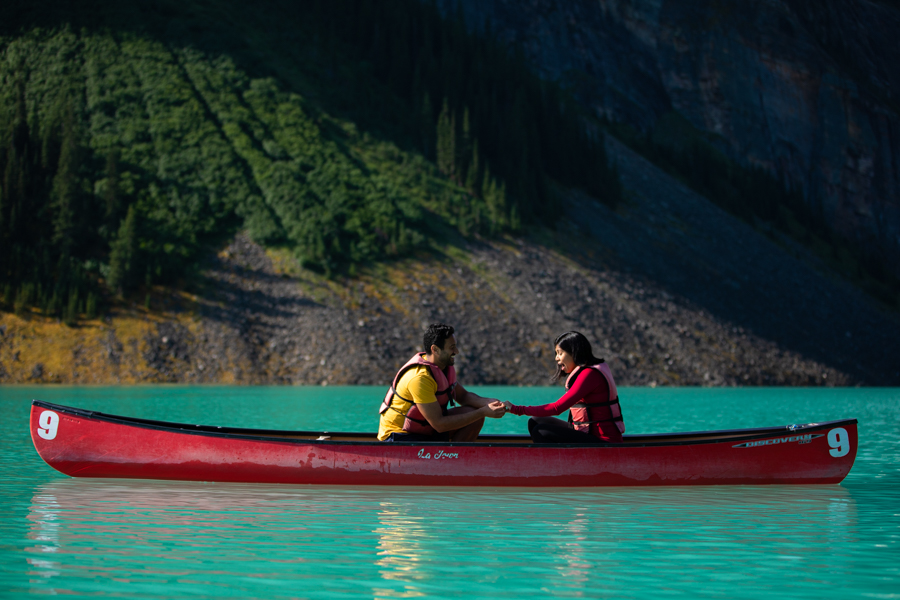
[
  {"x": 839, "y": 441},
  {"x": 49, "y": 424}
]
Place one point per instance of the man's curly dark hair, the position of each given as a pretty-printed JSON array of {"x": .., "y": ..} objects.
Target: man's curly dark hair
[{"x": 436, "y": 335}]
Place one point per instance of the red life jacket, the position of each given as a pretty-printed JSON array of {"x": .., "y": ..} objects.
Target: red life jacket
[
  {"x": 415, "y": 421},
  {"x": 584, "y": 414}
]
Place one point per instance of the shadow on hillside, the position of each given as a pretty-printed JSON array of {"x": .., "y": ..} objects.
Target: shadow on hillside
[
  {"x": 720, "y": 265},
  {"x": 233, "y": 291},
  {"x": 677, "y": 240}
]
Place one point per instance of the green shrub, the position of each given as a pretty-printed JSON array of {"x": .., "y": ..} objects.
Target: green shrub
[
  {"x": 23, "y": 298},
  {"x": 90, "y": 307},
  {"x": 8, "y": 294},
  {"x": 70, "y": 313}
]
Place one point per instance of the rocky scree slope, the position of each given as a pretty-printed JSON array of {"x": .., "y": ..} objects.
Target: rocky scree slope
[{"x": 671, "y": 290}]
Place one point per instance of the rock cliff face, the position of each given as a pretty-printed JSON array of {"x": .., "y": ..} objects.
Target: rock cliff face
[{"x": 809, "y": 89}]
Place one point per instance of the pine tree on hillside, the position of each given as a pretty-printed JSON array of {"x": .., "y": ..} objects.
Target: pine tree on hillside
[
  {"x": 446, "y": 142},
  {"x": 66, "y": 188},
  {"x": 111, "y": 191},
  {"x": 123, "y": 254},
  {"x": 426, "y": 126},
  {"x": 473, "y": 173},
  {"x": 464, "y": 149},
  {"x": 494, "y": 194}
]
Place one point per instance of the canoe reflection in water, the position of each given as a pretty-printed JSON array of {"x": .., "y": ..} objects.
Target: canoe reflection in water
[{"x": 89, "y": 534}]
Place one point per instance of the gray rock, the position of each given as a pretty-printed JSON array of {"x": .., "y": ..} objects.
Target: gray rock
[{"x": 805, "y": 88}]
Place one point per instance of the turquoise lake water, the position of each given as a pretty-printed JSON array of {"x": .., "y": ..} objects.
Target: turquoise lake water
[{"x": 147, "y": 539}]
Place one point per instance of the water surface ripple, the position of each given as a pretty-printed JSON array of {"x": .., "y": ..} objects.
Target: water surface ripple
[{"x": 153, "y": 539}]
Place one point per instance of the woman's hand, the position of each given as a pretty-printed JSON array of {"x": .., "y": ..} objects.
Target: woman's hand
[
  {"x": 494, "y": 410},
  {"x": 508, "y": 405}
]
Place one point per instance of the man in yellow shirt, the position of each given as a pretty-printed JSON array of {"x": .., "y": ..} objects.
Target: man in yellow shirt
[{"x": 417, "y": 407}]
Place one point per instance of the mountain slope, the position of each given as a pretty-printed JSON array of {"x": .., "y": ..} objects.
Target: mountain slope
[
  {"x": 254, "y": 157},
  {"x": 804, "y": 89},
  {"x": 131, "y": 135},
  {"x": 691, "y": 297}
]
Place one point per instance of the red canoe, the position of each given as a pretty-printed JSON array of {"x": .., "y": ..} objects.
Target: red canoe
[{"x": 82, "y": 443}]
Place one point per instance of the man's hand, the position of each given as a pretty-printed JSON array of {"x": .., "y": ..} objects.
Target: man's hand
[{"x": 494, "y": 410}]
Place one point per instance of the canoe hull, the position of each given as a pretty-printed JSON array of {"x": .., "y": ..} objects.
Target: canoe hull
[{"x": 84, "y": 445}]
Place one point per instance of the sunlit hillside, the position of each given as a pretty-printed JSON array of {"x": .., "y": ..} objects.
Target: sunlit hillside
[
  {"x": 133, "y": 136},
  {"x": 219, "y": 192}
]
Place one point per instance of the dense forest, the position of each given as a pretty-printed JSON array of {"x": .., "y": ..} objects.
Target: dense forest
[
  {"x": 129, "y": 140},
  {"x": 134, "y": 137}
]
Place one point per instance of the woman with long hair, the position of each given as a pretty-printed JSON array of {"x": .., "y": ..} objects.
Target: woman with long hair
[{"x": 591, "y": 397}]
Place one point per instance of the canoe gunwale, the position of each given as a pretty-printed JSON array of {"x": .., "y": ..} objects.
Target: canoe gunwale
[{"x": 277, "y": 435}]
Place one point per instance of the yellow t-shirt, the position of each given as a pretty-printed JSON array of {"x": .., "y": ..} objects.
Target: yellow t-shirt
[{"x": 417, "y": 385}]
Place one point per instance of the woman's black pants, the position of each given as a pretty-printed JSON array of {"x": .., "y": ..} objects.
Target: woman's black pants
[{"x": 550, "y": 430}]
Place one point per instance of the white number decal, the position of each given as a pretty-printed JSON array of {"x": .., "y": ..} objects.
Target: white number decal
[
  {"x": 49, "y": 424},
  {"x": 839, "y": 442}
]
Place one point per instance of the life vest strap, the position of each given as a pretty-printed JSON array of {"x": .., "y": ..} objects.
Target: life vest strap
[
  {"x": 610, "y": 420},
  {"x": 595, "y": 404},
  {"x": 421, "y": 422},
  {"x": 405, "y": 415},
  {"x": 389, "y": 401},
  {"x": 613, "y": 420},
  {"x": 448, "y": 391},
  {"x": 445, "y": 397},
  {"x": 391, "y": 404},
  {"x": 411, "y": 404},
  {"x": 399, "y": 396}
]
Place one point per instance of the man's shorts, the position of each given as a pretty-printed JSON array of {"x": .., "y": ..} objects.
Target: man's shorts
[{"x": 419, "y": 437}]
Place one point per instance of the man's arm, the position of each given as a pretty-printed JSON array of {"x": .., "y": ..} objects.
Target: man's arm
[
  {"x": 441, "y": 422},
  {"x": 467, "y": 398}
]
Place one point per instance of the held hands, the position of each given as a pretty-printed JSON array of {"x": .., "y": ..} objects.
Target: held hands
[
  {"x": 494, "y": 410},
  {"x": 508, "y": 406}
]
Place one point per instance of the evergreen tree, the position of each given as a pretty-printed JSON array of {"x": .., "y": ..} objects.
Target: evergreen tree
[
  {"x": 123, "y": 254},
  {"x": 473, "y": 172},
  {"x": 15, "y": 192},
  {"x": 70, "y": 313},
  {"x": 66, "y": 188},
  {"x": 446, "y": 142},
  {"x": 495, "y": 199},
  {"x": 111, "y": 190},
  {"x": 426, "y": 126},
  {"x": 464, "y": 148}
]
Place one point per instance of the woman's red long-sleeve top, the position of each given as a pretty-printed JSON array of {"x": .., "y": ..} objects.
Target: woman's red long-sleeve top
[{"x": 589, "y": 386}]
